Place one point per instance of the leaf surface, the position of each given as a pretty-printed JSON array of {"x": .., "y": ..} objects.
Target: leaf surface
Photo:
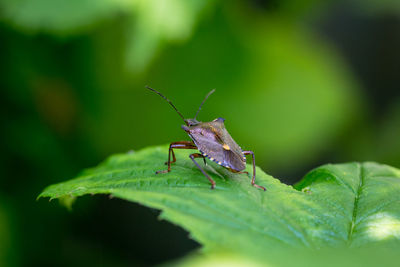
[{"x": 350, "y": 205}]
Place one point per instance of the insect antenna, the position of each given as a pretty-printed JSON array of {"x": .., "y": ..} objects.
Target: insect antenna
[
  {"x": 169, "y": 101},
  {"x": 212, "y": 91}
]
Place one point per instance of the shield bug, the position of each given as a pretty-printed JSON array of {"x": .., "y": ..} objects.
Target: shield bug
[{"x": 213, "y": 141}]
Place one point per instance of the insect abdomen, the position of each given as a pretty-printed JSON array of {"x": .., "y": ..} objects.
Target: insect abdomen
[{"x": 233, "y": 161}]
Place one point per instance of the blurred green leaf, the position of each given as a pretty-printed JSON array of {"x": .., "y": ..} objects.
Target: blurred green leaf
[
  {"x": 351, "y": 205},
  {"x": 150, "y": 23},
  {"x": 157, "y": 22},
  {"x": 67, "y": 202},
  {"x": 59, "y": 16},
  {"x": 298, "y": 95},
  {"x": 296, "y": 257},
  {"x": 281, "y": 89}
]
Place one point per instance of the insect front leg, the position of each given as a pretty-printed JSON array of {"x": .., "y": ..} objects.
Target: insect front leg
[
  {"x": 253, "y": 180},
  {"x": 176, "y": 145},
  {"x": 197, "y": 155}
]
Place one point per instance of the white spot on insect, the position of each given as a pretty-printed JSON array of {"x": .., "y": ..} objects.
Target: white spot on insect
[
  {"x": 219, "y": 162},
  {"x": 212, "y": 158},
  {"x": 226, "y": 147}
]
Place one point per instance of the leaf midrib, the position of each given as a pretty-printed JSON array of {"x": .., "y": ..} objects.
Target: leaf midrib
[{"x": 356, "y": 200}]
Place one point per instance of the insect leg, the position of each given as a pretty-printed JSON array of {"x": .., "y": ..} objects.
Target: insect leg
[
  {"x": 253, "y": 180},
  {"x": 176, "y": 145},
  {"x": 197, "y": 155}
]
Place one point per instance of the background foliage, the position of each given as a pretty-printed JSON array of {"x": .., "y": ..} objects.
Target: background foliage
[{"x": 300, "y": 84}]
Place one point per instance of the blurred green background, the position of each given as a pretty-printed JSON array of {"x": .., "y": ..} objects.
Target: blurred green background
[{"x": 301, "y": 83}]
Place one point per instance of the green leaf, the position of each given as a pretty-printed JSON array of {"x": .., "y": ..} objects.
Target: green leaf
[
  {"x": 342, "y": 205},
  {"x": 150, "y": 23},
  {"x": 59, "y": 16},
  {"x": 157, "y": 23},
  {"x": 296, "y": 257}
]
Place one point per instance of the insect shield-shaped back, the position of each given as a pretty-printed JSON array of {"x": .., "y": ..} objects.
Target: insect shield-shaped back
[{"x": 214, "y": 142}]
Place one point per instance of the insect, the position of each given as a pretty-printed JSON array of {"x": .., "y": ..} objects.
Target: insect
[{"x": 213, "y": 141}]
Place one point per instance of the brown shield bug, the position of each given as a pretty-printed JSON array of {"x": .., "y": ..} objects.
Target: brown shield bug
[{"x": 213, "y": 141}]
